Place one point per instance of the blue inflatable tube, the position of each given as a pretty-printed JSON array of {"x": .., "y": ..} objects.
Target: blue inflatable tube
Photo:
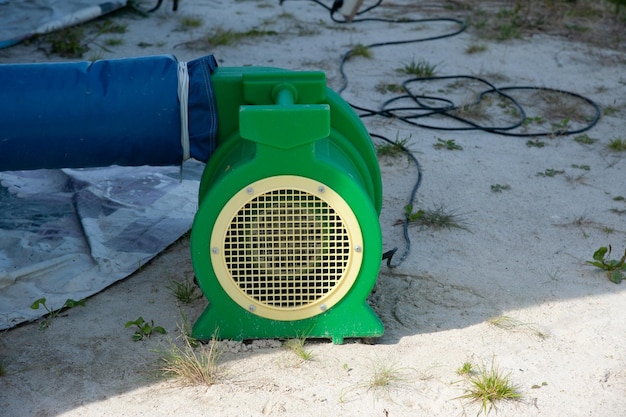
[{"x": 111, "y": 112}]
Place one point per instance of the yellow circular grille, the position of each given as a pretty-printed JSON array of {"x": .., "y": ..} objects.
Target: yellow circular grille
[
  {"x": 286, "y": 248},
  {"x": 286, "y": 252}
]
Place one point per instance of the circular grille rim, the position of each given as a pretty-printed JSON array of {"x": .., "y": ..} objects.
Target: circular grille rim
[{"x": 220, "y": 247}]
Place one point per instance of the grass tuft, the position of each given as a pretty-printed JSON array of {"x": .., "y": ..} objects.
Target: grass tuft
[
  {"x": 392, "y": 148},
  {"x": 466, "y": 369},
  {"x": 359, "y": 50},
  {"x": 510, "y": 323},
  {"x": 436, "y": 218},
  {"x": 192, "y": 366},
  {"x": 420, "y": 68},
  {"x": 385, "y": 376},
  {"x": 617, "y": 145},
  {"x": 488, "y": 386},
  {"x": 185, "y": 291},
  {"x": 296, "y": 346}
]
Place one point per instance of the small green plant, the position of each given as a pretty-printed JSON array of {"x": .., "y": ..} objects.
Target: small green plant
[
  {"x": 69, "y": 42},
  {"x": 613, "y": 268},
  {"x": 185, "y": 330},
  {"x": 393, "y": 149},
  {"x": 193, "y": 366},
  {"x": 420, "y": 68},
  {"x": 109, "y": 26},
  {"x": 385, "y": 88},
  {"x": 186, "y": 291},
  {"x": 488, "y": 386},
  {"x": 296, "y": 346},
  {"x": 437, "y": 218},
  {"x": 561, "y": 127},
  {"x": 475, "y": 48},
  {"x": 51, "y": 314},
  {"x": 550, "y": 172},
  {"x": 498, "y": 188},
  {"x": 359, "y": 50},
  {"x": 535, "y": 143},
  {"x": 385, "y": 376},
  {"x": 617, "y": 145},
  {"x": 610, "y": 110},
  {"x": 225, "y": 37},
  {"x": 114, "y": 42},
  {"x": 190, "y": 22},
  {"x": 144, "y": 329},
  {"x": 533, "y": 120},
  {"x": 584, "y": 139},
  {"x": 583, "y": 167},
  {"x": 449, "y": 144},
  {"x": 466, "y": 369}
]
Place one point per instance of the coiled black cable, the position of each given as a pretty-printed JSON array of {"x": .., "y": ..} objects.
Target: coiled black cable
[{"x": 421, "y": 106}]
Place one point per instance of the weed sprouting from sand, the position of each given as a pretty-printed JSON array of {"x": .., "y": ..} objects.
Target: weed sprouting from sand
[
  {"x": 359, "y": 50},
  {"x": 536, "y": 143},
  {"x": 550, "y": 172},
  {"x": 225, "y": 37},
  {"x": 510, "y": 323},
  {"x": 385, "y": 376},
  {"x": 498, "y": 188},
  {"x": 46, "y": 322},
  {"x": 297, "y": 346},
  {"x": 466, "y": 369},
  {"x": 617, "y": 145},
  {"x": 384, "y": 88},
  {"x": 436, "y": 218},
  {"x": 185, "y": 291},
  {"x": 449, "y": 144},
  {"x": 614, "y": 268},
  {"x": 584, "y": 139},
  {"x": 190, "y": 22},
  {"x": 420, "y": 68},
  {"x": 393, "y": 148},
  {"x": 192, "y": 366},
  {"x": 145, "y": 329},
  {"x": 488, "y": 386},
  {"x": 475, "y": 48}
]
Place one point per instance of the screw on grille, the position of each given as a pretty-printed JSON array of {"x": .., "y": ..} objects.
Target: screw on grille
[
  {"x": 357, "y": 248},
  {"x": 252, "y": 308},
  {"x": 249, "y": 190},
  {"x": 321, "y": 189},
  {"x": 215, "y": 250},
  {"x": 323, "y": 307}
]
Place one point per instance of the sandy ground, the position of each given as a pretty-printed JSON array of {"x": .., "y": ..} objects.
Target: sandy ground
[{"x": 520, "y": 257}]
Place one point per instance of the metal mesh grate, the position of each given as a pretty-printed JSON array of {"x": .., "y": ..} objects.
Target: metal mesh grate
[{"x": 286, "y": 248}]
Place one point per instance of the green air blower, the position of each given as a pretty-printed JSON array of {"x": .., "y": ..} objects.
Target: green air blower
[{"x": 286, "y": 241}]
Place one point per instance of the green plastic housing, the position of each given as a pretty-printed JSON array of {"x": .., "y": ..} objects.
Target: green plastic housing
[{"x": 274, "y": 123}]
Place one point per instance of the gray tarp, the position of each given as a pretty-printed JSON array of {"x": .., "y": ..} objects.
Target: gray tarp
[
  {"x": 70, "y": 233},
  {"x": 20, "y": 19}
]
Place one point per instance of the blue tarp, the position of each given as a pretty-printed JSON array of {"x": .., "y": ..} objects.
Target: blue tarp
[
  {"x": 109, "y": 112},
  {"x": 69, "y": 233}
]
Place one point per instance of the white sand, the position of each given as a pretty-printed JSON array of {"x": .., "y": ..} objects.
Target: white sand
[{"x": 523, "y": 256}]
